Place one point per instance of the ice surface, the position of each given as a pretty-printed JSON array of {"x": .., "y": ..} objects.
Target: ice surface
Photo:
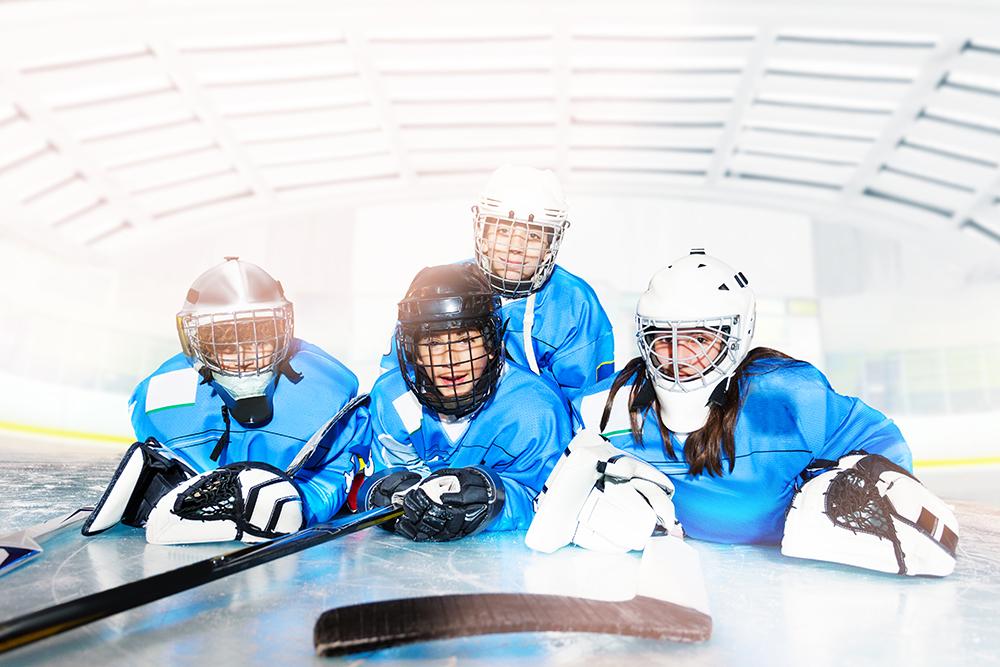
[{"x": 767, "y": 609}]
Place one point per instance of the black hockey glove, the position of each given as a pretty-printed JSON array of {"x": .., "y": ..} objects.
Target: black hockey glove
[
  {"x": 146, "y": 473},
  {"x": 379, "y": 493},
  {"x": 378, "y": 490},
  {"x": 450, "y": 504}
]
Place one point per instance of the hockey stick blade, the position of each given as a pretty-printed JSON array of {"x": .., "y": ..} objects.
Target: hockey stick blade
[
  {"x": 65, "y": 616},
  {"x": 18, "y": 548},
  {"x": 375, "y": 625}
]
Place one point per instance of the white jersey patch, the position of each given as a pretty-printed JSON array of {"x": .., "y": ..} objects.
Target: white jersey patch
[
  {"x": 171, "y": 390},
  {"x": 410, "y": 412}
]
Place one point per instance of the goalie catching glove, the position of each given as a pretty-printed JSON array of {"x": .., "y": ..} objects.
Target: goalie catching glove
[
  {"x": 600, "y": 498},
  {"x": 869, "y": 512},
  {"x": 145, "y": 474},
  {"x": 451, "y": 503},
  {"x": 251, "y": 502}
]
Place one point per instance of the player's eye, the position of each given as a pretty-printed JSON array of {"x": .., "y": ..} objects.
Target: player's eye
[{"x": 534, "y": 236}]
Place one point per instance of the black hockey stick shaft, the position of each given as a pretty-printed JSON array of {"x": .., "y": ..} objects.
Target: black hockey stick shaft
[
  {"x": 374, "y": 625},
  {"x": 81, "y": 611}
]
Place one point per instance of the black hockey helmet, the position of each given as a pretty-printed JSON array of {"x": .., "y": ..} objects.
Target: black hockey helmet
[{"x": 449, "y": 339}]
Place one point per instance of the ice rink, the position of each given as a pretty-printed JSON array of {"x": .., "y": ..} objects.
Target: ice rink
[{"x": 767, "y": 609}]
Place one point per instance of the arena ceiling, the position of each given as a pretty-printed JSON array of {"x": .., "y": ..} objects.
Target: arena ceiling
[{"x": 121, "y": 121}]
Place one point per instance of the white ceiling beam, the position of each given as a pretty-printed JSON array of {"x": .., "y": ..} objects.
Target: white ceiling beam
[
  {"x": 47, "y": 123},
  {"x": 981, "y": 200},
  {"x": 561, "y": 52},
  {"x": 371, "y": 81},
  {"x": 742, "y": 99},
  {"x": 198, "y": 101},
  {"x": 938, "y": 62}
]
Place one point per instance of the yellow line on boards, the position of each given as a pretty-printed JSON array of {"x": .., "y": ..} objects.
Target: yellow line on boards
[
  {"x": 104, "y": 437},
  {"x": 942, "y": 463},
  {"x": 64, "y": 433}
]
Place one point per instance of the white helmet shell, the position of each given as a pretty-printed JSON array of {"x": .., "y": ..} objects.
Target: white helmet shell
[
  {"x": 238, "y": 305},
  {"x": 528, "y": 200},
  {"x": 695, "y": 324}
]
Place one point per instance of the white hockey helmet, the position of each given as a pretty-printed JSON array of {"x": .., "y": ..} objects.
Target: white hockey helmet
[
  {"x": 236, "y": 321},
  {"x": 519, "y": 223},
  {"x": 695, "y": 324}
]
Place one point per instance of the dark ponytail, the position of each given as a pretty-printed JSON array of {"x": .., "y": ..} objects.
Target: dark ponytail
[{"x": 703, "y": 448}]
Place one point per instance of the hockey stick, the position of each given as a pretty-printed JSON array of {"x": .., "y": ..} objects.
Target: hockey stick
[
  {"x": 308, "y": 450},
  {"x": 18, "y": 548},
  {"x": 670, "y": 604},
  {"x": 374, "y": 625},
  {"x": 81, "y": 611}
]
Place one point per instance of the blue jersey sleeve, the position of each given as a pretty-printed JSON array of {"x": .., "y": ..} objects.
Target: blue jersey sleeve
[
  {"x": 326, "y": 478},
  {"x": 832, "y": 425},
  {"x": 539, "y": 442},
  {"x": 574, "y": 322},
  {"x": 577, "y": 368}
]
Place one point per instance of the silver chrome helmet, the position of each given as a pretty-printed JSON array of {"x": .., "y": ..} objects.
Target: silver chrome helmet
[
  {"x": 519, "y": 221},
  {"x": 236, "y": 321}
]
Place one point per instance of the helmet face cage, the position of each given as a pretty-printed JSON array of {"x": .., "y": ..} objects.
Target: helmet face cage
[
  {"x": 517, "y": 254},
  {"x": 689, "y": 355},
  {"x": 452, "y": 368},
  {"x": 238, "y": 344}
]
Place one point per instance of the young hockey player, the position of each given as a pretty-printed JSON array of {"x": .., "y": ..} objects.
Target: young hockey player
[
  {"x": 555, "y": 325},
  {"x": 741, "y": 438},
  {"x": 220, "y": 423},
  {"x": 463, "y": 439}
]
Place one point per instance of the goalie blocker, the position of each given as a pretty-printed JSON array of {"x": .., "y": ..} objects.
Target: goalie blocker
[
  {"x": 869, "y": 512},
  {"x": 600, "y": 498}
]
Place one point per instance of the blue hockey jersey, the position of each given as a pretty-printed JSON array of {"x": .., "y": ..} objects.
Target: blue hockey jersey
[
  {"x": 518, "y": 434},
  {"x": 560, "y": 332},
  {"x": 790, "y": 417},
  {"x": 173, "y": 406}
]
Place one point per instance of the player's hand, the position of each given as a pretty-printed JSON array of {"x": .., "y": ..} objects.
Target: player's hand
[
  {"x": 251, "y": 502},
  {"x": 451, "y": 503}
]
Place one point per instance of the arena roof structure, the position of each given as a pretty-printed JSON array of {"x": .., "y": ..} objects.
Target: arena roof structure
[{"x": 121, "y": 122}]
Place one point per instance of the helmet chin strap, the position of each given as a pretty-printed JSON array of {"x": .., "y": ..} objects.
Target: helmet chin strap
[
  {"x": 686, "y": 412},
  {"x": 248, "y": 398}
]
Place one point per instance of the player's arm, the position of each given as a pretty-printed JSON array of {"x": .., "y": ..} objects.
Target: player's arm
[
  {"x": 326, "y": 480},
  {"x": 539, "y": 441},
  {"x": 589, "y": 357},
  {"x": 833, "y": 425},
  {"x": 859, "y": 502}
]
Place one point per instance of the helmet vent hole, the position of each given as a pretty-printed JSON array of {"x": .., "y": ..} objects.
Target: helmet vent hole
[
  {"x": 702, "y": 266},
  {"x": 723, "y": 287}
]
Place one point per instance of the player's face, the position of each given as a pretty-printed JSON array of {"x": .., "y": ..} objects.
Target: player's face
[
  {"x": 454, "y": 360},
  {"x": 694, "y": 350},
  {"x": 515, "y": 249},
  {"x": 241, "y": 348}
]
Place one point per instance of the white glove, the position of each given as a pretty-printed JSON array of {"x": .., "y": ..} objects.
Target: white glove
[
  {"x": 601, "y": 498},
  {"x": 869, "y": 512},
  {"x": 251, "y": 502}
]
